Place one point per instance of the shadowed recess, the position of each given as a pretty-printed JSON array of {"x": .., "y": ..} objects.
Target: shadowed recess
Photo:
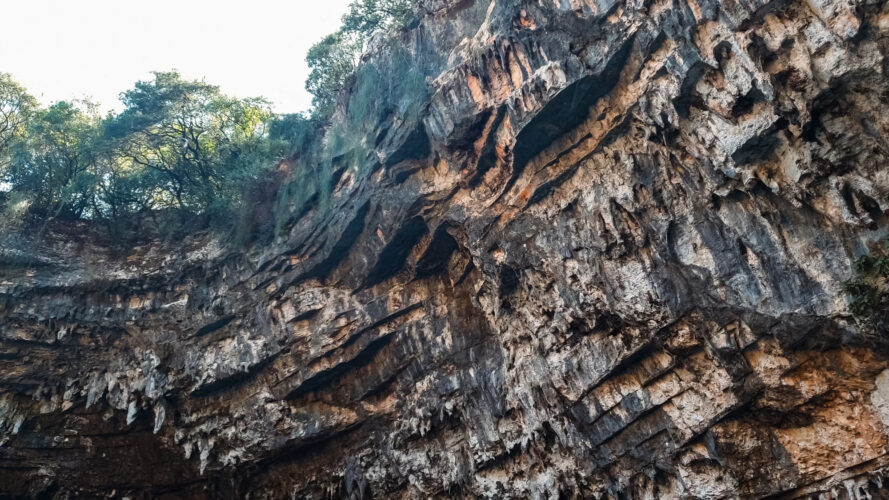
[
  {"x": 488, "y": 157},
  {"x": 438, "y": 254},
  {"x": 415, "y": 147},
  {"x": 214, "y": 326},
  {"x": 395, "y": 253},
  {"x": 341, "y": 247},
  {"x": 326, "y": 377},
  {"x": 566, "y": 111}
]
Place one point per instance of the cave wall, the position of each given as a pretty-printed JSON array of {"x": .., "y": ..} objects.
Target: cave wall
[{"x": 603, "y": 260}]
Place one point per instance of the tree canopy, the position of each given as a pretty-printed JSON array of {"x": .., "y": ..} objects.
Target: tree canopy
[
  {"x": 179, "y": 146},
  {"x": 16, "y": 105},
  {"x": 51, "y": 159},
  {"x": 197, "y": 145},
  {"x": 334, "y": 59}
]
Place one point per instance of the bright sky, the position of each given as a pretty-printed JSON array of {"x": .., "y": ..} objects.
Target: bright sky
[{"x": 64, "y": 49}]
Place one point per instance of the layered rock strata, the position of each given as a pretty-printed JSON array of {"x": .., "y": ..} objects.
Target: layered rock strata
[{"x": 602, "y": 259}]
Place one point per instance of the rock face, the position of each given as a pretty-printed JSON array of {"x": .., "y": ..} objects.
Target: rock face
[{"x": 603, "y": 259}]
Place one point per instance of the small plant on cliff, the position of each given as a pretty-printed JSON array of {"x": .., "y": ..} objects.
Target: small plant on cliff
[{"x": 869, "y": 288}]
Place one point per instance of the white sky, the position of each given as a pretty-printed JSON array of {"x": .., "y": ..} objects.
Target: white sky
[{"x": 64, "y": 49}]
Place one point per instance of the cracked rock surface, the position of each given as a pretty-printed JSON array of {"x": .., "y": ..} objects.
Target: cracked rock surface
[{"x": 603, "y": 260}]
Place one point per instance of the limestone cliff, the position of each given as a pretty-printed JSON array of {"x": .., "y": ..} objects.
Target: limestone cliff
[{"x": 601, "y": 257}]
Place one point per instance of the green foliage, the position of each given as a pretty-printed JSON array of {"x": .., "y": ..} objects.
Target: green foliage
[
  {"x": 181, "y": 151},
  {"x": 195, "y": 145},
  {"x": 294, "y": 133},
  {"x": 368, "y": 16},
  {"x": 50, "y": 161},
  {"x": 334, "y": 59},
  {"x": 179, "y": 147},
  {"x": 301, "y": 134},
  {"x": 16, "y": 106},
  {"x": 869, "y": 289}
]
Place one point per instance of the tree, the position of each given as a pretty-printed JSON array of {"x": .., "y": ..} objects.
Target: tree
[
  {"x": 51, "y": 158},
  {"x": 195, "y": 145},
  {"x": 368, "y": 16},
  {"x": 334, "y": 59},
  {"x": 293, "y": 133},
  {"x": 16, "y": 106}
]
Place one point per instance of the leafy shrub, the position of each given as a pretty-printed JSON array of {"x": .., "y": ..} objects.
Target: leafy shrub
[{"x": 869, "y": 289}]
